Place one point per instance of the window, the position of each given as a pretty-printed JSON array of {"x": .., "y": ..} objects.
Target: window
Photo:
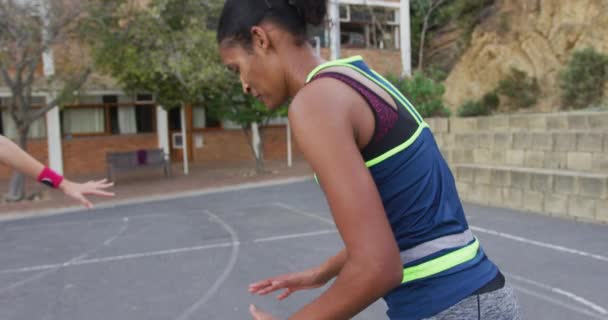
[
  {"x": 109, "y": 115},
  {"x": 111, "y": 102},
  {"x": 8, "y": 127},
  {"x": 175, "y": 122},
  {"x": 203, "y": 119},
  {"x": 86, "y": 120},
  {"x": 145, "y": 119},
  {"x": 344, "y": 13}
]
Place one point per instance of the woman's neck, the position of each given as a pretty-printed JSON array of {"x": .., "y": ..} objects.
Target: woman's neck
[{"x": 300, "y": 62}]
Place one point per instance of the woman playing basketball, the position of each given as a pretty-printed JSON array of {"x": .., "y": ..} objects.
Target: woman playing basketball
[{"x": 391, "y": 193}]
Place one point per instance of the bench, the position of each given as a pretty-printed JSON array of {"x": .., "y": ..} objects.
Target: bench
[{"x": 131, "y": 160}]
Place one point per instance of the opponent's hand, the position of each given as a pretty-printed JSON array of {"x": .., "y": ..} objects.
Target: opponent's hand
[
  {"x": 291, "y": 282},
  {"x": 260, "y": 315},
  {"x": 78, "y": 191}
]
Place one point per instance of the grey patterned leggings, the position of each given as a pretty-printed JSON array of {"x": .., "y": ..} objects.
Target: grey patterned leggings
[{"x": 496, "y": 305}]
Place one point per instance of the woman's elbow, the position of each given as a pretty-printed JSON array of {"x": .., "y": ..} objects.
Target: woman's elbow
[{"x": 386, "y": 275}]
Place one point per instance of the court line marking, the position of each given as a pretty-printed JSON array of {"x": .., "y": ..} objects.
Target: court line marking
[
  {"x": 293, "y": 236},
  {"x": 561, "y": 292},
  {"x": 234, "y": 243},
  {"x": 304, "y": 213},
  {"x": 558, "y": 302},
  {"x": 540, "y": 244},
  {"x": 46, "y": 271},
  {"x": 158, "y": 253}
]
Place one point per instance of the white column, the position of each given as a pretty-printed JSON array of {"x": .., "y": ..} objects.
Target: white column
[
  {"x": 53, "y": 137},
  {"x": 184, "y": 139},
  {"x": 318, "y": 46},
  {"x": 162, "y": 130},
  {"x": 53, "y": 124},
  {"x": 406, "y": 46},
  {"x": 334, "y": 28}
]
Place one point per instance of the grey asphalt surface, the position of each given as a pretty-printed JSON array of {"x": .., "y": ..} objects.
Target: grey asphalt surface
[{"x": 193, "y": 258}]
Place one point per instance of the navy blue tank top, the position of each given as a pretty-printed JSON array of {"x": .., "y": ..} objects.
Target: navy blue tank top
[{"x": 419, "y": 195}]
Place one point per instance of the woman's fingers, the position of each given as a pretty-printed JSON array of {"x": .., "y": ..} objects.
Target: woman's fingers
[
  {"x": 100, "y": 193},
  {"x": 285, "y": 294}
]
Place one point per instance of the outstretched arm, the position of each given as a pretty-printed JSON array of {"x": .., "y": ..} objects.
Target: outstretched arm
[{"x": 14, "y": 157}]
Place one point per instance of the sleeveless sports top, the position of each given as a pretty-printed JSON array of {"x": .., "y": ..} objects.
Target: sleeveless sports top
[{"x": 443, "y": 262}]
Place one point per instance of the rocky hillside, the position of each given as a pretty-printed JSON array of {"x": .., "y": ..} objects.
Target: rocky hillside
[{"x": 535, "y": 36}]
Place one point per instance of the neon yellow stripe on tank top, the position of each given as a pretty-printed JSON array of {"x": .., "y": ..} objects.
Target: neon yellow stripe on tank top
[
  {"x": 392, "y": 91},
  {"x": 441, "y": 263}
]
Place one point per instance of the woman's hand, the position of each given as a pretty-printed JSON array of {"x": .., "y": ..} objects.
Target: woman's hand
[
  {"x": 78, "y": 191},
  {"x": 291, "y": 282},
  {"x": 260, "y": 315}
]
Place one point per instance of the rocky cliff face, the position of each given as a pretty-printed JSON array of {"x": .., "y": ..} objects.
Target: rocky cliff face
[{"x": 535, "y": 36}]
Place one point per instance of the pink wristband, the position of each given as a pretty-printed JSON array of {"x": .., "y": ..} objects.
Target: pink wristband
[{"x": 50, "y": 178}]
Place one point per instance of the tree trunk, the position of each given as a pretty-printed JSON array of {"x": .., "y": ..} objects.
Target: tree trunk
[
  {"x": 16, "y": 191},
  {"x": 258, "y": 147},
  {"x": 425, "y": 26}
]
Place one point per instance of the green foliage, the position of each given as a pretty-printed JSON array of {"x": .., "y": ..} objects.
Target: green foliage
[
  {"x": 466, "y": 13},
  {"x": 167, "y": 48},
  {"x": 583, "y": 80},
  {"x": 521, "y": 90},
  {"x": 233, "y": 105},
  {"x": 490, "y": 100},
  {"x": 473, "y": 108},
  {"x": 436, "y": 73},
  {"x": 423, "y": 92},
  {"x": 483, "y": 107}
]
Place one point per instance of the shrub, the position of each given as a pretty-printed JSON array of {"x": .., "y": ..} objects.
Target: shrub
[
  {"x": 583, "y": 80},
  {"x": 423, "y": 92},
  {"x": 521, "y": 90},
  {"x": 490, "y": 100},
  {"x": 473, "y": 108}
]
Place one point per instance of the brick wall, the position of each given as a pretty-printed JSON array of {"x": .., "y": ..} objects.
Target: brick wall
[
  {"x": 88, "y": 154},
  {"x": 554, "y": 163},
  {"x": 232, "y": 145}
]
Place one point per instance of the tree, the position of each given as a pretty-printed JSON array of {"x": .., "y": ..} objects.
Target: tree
[
  {"x": 427, "y": 8},
  {"x": 30, "y": 30},
  {"x": 249, "y": 113},
  {"x": 169, "y": 49}
]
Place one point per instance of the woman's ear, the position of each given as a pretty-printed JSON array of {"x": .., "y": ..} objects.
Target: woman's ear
[{"x": 260, "y": 38}]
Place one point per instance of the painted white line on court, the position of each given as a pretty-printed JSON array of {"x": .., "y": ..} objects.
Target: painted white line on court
[
  {"x": 149, "y": 254},
  {"x": 304, "y": 213},
  {"x": 558, "y": 302},
  {"x": 47, "y": 270},
  {"x": 540, "y": 244},
  {"x": 125, "y": 225},
  {"x": 292, "y": 236},
  {"x": 231, "y": 263},
  {"x": 562, "y": 292}
]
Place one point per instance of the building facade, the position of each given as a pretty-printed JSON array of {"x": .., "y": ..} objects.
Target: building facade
[{"x": 105, "y": 119}]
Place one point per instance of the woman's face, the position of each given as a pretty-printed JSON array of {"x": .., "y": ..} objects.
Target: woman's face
[{"x": 260, "y": 72}]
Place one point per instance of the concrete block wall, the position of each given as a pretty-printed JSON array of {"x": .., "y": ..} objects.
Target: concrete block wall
[{"x": 555, "y": 164}]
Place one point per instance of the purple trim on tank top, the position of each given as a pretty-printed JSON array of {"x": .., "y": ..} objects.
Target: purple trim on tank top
[{"x": 386, "y": 115}]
